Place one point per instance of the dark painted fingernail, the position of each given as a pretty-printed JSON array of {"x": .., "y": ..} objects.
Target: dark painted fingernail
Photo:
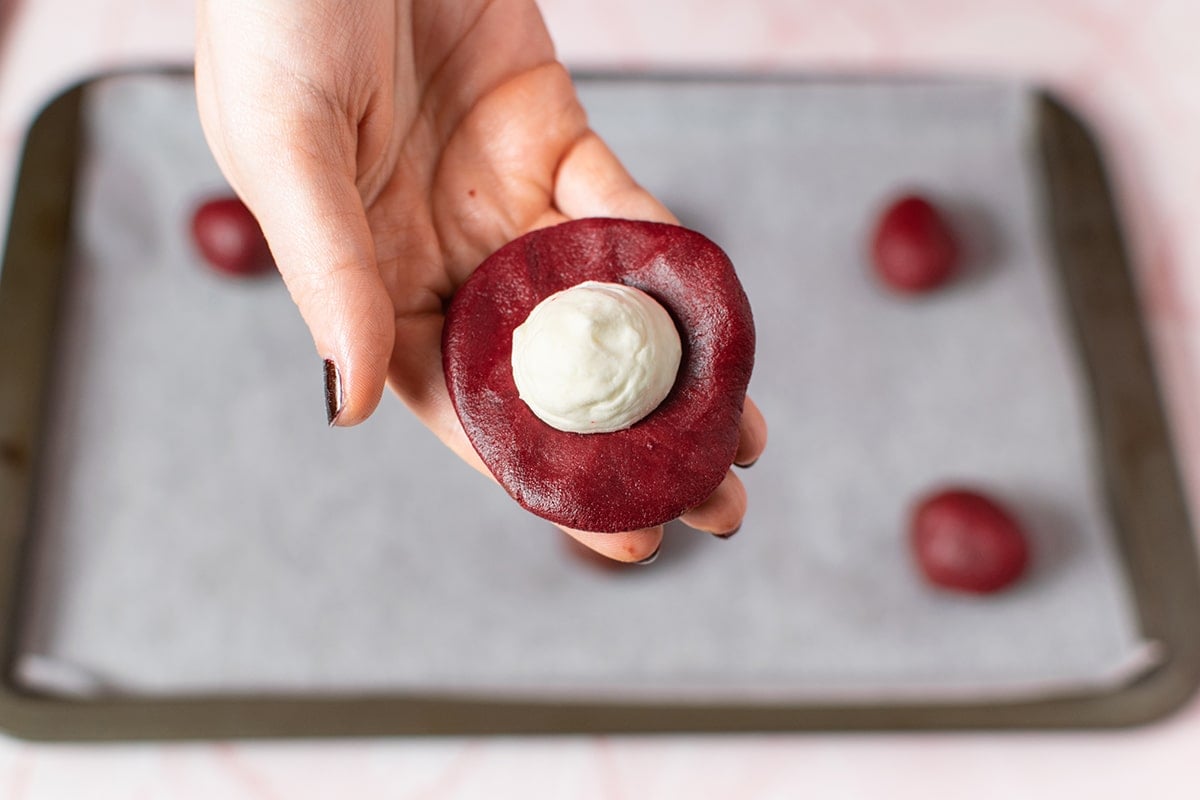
[
  {"x": 650, "y": 558},
  {"x": 747, "y": 465},
  {"x": 333, "y": 391},
  {"x": 728, "y": 535}
]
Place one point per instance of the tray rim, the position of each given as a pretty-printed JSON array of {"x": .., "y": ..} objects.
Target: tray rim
[{"x": 1139, "y": 471}]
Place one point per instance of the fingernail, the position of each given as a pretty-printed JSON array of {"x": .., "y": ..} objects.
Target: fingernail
[
  {"x": 747, "y": 465},
  {"x": 333, "y": 391},
  {"x": 728, "y": 535},
  {"x": 650, "y": 558}
]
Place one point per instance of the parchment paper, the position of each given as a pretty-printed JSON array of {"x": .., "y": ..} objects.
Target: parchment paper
[{"x": 201, "y": 530}]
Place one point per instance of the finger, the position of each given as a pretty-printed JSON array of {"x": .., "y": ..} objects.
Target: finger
[
  {"x": 591, "y": 182},
  {"x": 722, "y": 512},
  {"x": 631, "y": 547},
  {"x": 319, "y": 236},
  {"x": 290, "y": 150},
  {"x": 304, "y": 195},
  {"x": 752, "y": 438}
]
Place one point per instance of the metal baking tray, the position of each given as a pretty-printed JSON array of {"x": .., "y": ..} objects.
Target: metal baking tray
[{"x": 1139, "y": 476}]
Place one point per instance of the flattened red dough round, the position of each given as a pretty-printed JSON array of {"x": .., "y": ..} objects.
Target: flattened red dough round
[{"x": 665, "y": 464}]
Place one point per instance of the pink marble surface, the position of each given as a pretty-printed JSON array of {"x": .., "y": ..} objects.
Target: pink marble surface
[{"x": 1129, "y": 65}]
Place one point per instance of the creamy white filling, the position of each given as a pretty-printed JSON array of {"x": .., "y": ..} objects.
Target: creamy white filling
[{"x": 595, "y": 358}]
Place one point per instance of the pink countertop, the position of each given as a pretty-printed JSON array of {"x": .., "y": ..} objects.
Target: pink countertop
[{"x": 1130, "y": 67}]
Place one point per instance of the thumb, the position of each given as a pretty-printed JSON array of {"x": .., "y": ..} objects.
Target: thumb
[
  {"x": 291, "y": 153},
  {"x": 302, "y": 190},
  {"x": 315, "y": 222}
]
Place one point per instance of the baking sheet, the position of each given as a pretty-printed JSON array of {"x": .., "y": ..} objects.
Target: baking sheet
[{"x": 201, "y": 531}]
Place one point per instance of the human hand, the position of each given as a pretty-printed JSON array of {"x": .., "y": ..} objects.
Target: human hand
[{"x": 386, "y": 148}]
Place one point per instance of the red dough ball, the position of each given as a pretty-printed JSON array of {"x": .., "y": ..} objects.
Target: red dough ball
[
  {"x": 639, "y": 477},
  {"x": 967, "y": 542},
  {"x": 229, "y": 238},
  {"x": 913, "y": 248}
]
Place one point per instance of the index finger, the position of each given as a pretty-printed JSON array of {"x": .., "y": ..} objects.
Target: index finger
[{"x": 592, "y": 182}]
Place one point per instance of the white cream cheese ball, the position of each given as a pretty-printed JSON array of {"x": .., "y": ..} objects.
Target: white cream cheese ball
[{"x": 595, "y": 358}]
